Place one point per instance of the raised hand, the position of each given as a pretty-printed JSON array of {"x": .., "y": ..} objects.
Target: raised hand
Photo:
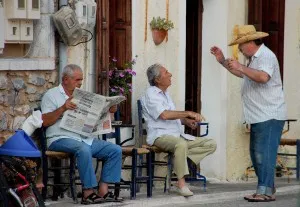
[{"x": 217, "y": 52}]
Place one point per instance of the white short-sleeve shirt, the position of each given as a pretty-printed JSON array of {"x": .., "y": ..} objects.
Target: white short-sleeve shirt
[
  {"x": 264, "y": 101},
  {"x": 52, "y": 100},
  {"x": 154, "y": 102}
]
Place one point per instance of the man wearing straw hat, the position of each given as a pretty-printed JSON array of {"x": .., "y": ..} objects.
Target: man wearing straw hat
[{"x": 263, "y": 103}]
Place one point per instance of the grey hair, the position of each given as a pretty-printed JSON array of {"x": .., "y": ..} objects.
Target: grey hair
[
  {"x": 70, "y": 69},
  {"x": 153, "y": 72}
]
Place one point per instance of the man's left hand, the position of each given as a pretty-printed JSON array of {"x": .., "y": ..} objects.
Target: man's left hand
[
  {"x": 234, "y": 64},
  {"x": 113, "y": 109},
  {"x": 191, "y": 123}
]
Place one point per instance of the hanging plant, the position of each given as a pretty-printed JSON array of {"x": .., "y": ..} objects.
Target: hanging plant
[{"x": 160, "y": 27}]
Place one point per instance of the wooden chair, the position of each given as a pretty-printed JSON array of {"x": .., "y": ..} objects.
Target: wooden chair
[
  {"x": 58, "y": 187},
  {"x": 137, "y": 154},
  {"x": 195, "y": 176},
  {"x": 292, "y": 142}
]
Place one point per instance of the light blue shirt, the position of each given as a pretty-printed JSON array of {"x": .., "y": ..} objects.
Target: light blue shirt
[
  {"x": 154, "y": 102},
  {"x": 264, "y": 101},
  {"x": 52, "y": 100}
]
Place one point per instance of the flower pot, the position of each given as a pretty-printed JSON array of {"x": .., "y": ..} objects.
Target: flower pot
[{"x": 158, "y": 35}]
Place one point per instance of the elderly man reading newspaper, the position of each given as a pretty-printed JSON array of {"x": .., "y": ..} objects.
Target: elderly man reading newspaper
[{"x": 55, "y": 103}]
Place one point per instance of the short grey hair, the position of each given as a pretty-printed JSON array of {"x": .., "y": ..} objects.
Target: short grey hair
[
  {"x": 153, "y": 72},
  {"x": 69, "y": 70}
]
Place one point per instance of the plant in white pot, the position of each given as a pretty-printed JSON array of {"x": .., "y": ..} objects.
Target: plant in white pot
[{"x": 160, "y": 27}]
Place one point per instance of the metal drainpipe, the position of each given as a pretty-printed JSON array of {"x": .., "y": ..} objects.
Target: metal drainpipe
[
  {"x": 62, "y": 48},
  {"x": 92, "y": 71}
]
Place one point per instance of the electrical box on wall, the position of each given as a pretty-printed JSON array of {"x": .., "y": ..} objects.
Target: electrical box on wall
[
  {"x": 2, "y": 28},
  {"x": 12, "y": 31},
  {"x": 67, "y": 25},
  {"x": 26, "y": 31},
  {"x": 92, "y": 8},
  {"x": 81, "y": 13},
  {"x": 15, "y": 9},
  {"x": 33, "y": 9}
]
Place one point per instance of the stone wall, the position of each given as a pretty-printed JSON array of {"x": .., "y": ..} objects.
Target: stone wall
[{"x": 20, "y": 93}]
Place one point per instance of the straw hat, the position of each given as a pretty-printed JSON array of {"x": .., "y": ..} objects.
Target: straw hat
[{"x": 246, "y": 33}]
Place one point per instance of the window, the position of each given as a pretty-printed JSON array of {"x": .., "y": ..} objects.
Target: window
[
  {"x": 21, "y": 4},
  {"x": 28, "y": 31},
  {"x": 14, "y": 30},
  {"x": 35, "y": 4},
  {"x": 84, "y": 11}
]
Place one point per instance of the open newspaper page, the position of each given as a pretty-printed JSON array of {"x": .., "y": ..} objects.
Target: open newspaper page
[{"x": 91, "y": 117}]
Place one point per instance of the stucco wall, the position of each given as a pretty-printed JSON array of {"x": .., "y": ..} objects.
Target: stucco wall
[
  {"x": 292, "y": 63},
  {"x": 291, "y": 66},
  {"x": 221, "y": 91}
]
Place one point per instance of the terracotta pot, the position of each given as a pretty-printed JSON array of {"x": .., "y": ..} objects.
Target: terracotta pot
[{"x": 158, "y": 35}]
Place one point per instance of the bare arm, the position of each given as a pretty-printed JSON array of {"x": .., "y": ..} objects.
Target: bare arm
[
  {"x": 172, "y": 115},
  {"x": 52, "y": 117},
  {"x": 258, "y": 76},
  {"x": 217, "y": 52},
  {"x": 237, "y": 73}
]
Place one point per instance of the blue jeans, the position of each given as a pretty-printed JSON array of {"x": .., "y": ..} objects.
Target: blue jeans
[
  {"x": 264, "y": 142},
  {"x": 111, "y": 155}
]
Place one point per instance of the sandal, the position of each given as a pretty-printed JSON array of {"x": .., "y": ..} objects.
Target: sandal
[
  {"x": 262, "y": 198},
  {"x": 110, "y": 197},
  {"x": 248, "y": 197},
  {"x": 93, "y": 198}
]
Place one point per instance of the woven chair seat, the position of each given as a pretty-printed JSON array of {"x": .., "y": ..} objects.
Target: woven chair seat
[
  {"x": 58, "y": 155},
  {"x": 128, "y": 150},
  {"x": 291, "y": 142}
]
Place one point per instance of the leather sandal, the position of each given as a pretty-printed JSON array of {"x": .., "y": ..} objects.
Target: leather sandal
[
  {"x": 93, "y": 198},
  {"x": 262, "y": 198},
  {"x": 249, "y": 196},
  {"x": 110, "y": 197}
]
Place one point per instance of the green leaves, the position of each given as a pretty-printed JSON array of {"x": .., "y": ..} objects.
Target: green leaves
[{"x": 161, "y": 23}]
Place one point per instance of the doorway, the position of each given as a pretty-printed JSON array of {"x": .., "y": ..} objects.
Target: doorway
[
  {"x": 194, "y": 15},
  {"x": 113, "y": 39},
  {"x": 268, "y": 16}
]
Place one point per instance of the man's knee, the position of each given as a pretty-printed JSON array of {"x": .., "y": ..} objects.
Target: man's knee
[
  {"x": 181, "y": 147},
  {"x": 117, "y": 150},
  {"x": 84, "y": 150},
  {"x": 213, "y": 145}
]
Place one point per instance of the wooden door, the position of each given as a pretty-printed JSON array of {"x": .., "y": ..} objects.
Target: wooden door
[
  {"x": 102, "y": 47},
  {"x": 113, "y": 39},
  {"x": 268, "y": 16},
  {"x": 120, "y": 43},
  {"x": 193, "y": 57}
]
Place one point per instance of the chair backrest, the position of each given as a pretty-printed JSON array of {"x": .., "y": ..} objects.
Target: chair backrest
[
  {"x": 142, "y": 130},
  {"x": 117, "y": 133}
]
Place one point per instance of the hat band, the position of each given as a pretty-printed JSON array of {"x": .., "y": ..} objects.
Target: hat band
[{"x": 245, "y": 34}]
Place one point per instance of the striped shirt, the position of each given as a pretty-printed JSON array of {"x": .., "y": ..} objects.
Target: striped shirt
[{"x": 263, "y": 101}]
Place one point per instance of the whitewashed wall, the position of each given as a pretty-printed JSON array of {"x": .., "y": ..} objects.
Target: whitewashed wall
[
  {"x": 171, "y": 54},
  {"x": 292, "y": 64},
  {"x": 221, "y": 98}
]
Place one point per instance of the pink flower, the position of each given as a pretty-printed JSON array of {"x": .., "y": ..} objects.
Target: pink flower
[
  {"x": 114, "y": 59},
  {"x": 110, "y": 73},
  {"x": 121, "y": 75}
]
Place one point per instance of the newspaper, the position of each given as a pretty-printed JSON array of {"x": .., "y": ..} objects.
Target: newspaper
[{"x": 91, "y": 117}]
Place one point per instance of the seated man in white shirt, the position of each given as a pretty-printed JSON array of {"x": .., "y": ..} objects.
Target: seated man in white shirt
[{"x": 164, "y": 128}]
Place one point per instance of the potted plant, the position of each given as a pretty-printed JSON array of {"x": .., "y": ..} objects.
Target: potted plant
[
  {"x": 120, "y": 78},
  {"x": 160, "y": 27}
]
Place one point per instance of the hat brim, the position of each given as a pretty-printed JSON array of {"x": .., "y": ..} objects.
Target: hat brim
[{"x": 255, "y": 36}]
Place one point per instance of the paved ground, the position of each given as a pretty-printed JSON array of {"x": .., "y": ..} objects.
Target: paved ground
[{"x": 217, "y": 194}]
